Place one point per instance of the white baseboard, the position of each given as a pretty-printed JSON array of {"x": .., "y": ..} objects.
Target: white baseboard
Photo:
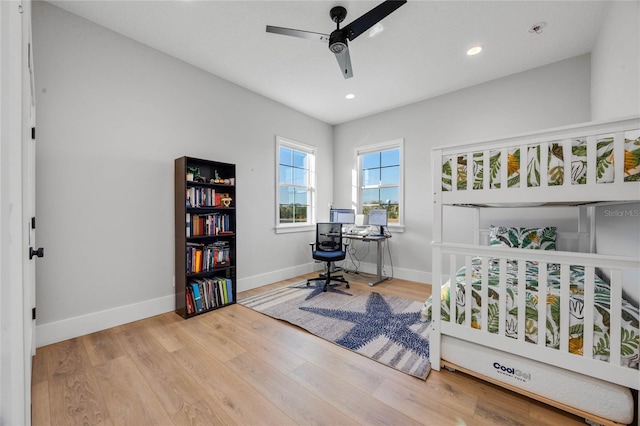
[
  {"x": 401, "y": 273},
  {"x": 69, "y": 328},
  {"x": 274, "y": 276}
]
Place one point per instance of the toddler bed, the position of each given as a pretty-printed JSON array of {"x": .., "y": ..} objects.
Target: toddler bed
[{"x": 585, "y": 336}]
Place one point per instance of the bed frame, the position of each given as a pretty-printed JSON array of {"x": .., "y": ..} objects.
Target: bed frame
[{"x": 585, "y": 197}]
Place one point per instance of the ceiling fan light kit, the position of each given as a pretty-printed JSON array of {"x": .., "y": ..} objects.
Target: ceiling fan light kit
[
  {"x": 339, "y": 38},
  {"x": 337, "y": 43}
]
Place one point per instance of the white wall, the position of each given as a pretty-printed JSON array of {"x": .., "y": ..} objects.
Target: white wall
[
  {"x": 113, "y": 114},
  {"x": 553, "y": 95},
  {"x": 615, "y": 63}
]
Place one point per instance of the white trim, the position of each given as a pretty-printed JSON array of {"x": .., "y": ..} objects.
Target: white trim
[
  {"x": 311, "y": 215},
  {"x": 81, "y": 325},
  {"x": 290, "y": 228},
  {"x": 415, "y": 275},
  {"x": 256, "y": 281},
  {"x": 69, "y": 328}
]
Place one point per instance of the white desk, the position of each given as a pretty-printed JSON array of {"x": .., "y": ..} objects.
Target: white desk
[{"x": 379, "y": 239}]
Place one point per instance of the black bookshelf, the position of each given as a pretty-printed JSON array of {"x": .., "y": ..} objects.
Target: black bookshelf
[{"x": 205, "y": 235}]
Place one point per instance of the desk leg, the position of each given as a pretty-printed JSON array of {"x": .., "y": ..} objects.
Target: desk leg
[{"x": 379, "y": 277}]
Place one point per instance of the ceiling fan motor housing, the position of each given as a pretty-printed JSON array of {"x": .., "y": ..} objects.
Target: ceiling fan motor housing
[{"x": 337, "y": 42}]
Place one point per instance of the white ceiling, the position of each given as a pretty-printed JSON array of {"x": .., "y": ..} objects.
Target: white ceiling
[{"x": 420, "y": 54}]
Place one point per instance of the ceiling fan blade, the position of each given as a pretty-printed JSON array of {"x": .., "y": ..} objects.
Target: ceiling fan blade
[
  {"x": 298, "y": 33},
  {"x": 344, "y": 61},
  {"x": 372, "y": 17}
]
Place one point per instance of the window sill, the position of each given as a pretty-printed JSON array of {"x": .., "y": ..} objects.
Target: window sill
[{"x": 294, "y": 228}]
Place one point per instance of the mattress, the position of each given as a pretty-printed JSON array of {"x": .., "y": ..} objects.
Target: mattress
[
  {"x": 630, "y": 314},
  {"x": 603, "y": 399},
  {"x": 557, "y": 158}
]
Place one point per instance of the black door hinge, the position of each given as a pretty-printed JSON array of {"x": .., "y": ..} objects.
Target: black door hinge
[
  {"x": 33, "y": 313},
  {"x": 33, "y": 133},
  {"x": 33, "y": 223}
]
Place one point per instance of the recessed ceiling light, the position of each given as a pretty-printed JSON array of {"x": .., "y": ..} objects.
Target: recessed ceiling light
[
  {"x": 474, "y": 50},
  {"x": 350, "y": 96}
]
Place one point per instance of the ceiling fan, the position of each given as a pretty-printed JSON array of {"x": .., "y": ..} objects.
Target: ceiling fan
[{"x": 338, "y": 38}]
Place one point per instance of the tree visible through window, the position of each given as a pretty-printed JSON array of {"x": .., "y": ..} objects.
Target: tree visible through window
[
  {"x": 380, "y": 181},
  {"x": 295, "y": 183}
]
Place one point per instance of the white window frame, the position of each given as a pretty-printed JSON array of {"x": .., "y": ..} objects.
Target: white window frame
[
  {"x": 368, "y": 149},
  {"x": 311, "y": 214}
]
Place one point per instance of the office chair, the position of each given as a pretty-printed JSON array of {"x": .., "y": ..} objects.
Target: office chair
[{"x": 328, "y": 248}]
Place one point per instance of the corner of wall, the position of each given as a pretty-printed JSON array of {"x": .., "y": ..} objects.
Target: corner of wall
[{"x": 615, "y": 64}]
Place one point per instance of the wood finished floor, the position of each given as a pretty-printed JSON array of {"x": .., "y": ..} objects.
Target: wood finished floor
[{"x": 238, "y": 367}]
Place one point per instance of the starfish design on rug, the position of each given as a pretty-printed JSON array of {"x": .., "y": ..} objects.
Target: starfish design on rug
[
  {"x": 316, "y": 290},
  {"x": 378, "y": 320}
]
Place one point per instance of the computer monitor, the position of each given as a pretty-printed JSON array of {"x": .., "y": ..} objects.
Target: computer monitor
[
  {"x": 378, "y": 217},
  {"x": 344, "y": 216}
]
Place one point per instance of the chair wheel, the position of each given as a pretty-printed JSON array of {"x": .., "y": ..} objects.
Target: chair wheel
[{"x": 346, "y": 286}]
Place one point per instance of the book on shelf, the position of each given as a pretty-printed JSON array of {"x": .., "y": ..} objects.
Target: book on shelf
[
  {"x": 208, "y": 293},
  {"x": 197, "y": 297},
  {"x": 228, "y": 283},
  {"x": 223, "y": 289},
  {"x": 200, "y": 225},
  {"x": 189, "y": 301},
  {"x": 198, "y": 196},
  {"x": 207, "y": 257}
]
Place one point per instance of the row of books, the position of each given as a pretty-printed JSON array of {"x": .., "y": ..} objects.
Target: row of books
[
  {"x": 202, "y": 197},
  {"x": 208, "y": 224},
  {"x": 208, "y": 293},
  {"x": 207, "y": 257}
]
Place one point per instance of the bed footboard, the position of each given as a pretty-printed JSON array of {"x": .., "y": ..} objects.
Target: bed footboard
[{"x": 505, "y": 314}]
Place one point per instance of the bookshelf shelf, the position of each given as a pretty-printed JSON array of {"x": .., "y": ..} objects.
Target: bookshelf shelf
[{"x": 205, "y": 238}]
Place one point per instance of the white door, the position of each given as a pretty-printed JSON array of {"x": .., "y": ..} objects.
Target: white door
[
  {"x": 15, "y": 293},
  {"x": 29, "y": 180}
]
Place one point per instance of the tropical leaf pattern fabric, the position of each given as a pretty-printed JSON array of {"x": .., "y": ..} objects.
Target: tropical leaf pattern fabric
[
  {"x": 576, "y": 159},
  {"x": 601, "y": 345},
  {"x": 447, "y": 174},
  {"x": 518, "y": 237},
  {"x": 632, "y": 156},
  {"x": 556, "y": 164}
]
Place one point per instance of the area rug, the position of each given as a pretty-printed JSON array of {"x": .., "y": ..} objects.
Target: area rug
[{"x": 382, "y": 327}]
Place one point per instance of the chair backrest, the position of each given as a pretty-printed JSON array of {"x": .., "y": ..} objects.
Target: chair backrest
[{"x": 328, "y": 236}]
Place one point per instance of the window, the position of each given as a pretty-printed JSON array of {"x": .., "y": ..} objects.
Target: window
[
  {"x": 380, "y": 179},
  {"x": 295, "y": 184}
]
